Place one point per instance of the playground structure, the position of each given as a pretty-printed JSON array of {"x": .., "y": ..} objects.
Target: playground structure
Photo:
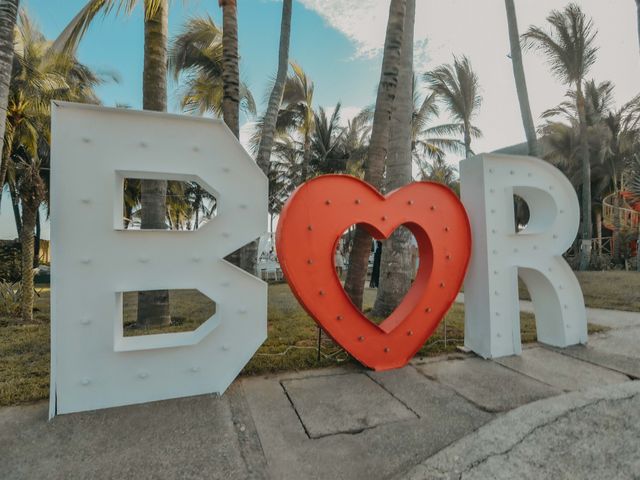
[{"x": 621, "y": 215}]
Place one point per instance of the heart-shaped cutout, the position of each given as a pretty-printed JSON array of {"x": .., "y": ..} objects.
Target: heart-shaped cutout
[{"x": 309, "y": 228}]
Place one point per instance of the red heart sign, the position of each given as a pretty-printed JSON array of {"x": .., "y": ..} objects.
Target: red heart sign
[{"x": 309, "y": 228}]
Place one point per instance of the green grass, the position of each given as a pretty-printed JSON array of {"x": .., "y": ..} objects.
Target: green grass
[
  {"x": 291, "y": 343},
  {"x": 189, "y": 309},
  {"x": 611, "y": 290}
]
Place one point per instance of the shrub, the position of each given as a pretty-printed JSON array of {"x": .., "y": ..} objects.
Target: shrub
[
  {"x": 10, "y": 269},
  {"x": 9, "y": 299}
]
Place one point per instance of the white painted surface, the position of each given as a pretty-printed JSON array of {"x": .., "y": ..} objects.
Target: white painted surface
[
  {"x": 94, "y": 260},
  {"x": 492, "y": 312}
]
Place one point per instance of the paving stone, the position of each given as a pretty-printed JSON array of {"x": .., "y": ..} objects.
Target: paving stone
[
  {"x": 487, "y": 384},
  {"x": 191, "y": 438},
  {"x": 560, "y": 371},
  {"x": 430, "y": 400},
  {"x": 621, "y": 363},
  {"x": 345, "y": 403},
  {"x": 374, "y": 453}
]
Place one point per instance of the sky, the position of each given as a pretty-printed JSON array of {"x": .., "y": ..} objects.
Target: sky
[{"x": 339, "y": 44}]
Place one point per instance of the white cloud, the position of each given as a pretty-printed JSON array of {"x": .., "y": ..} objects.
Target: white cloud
[
  {"x": 362, "y": 21},
  {"x": 347, "y": 113},
  {"x": 479, "y": 30}
]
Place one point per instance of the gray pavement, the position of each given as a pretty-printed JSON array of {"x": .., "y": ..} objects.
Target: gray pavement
[
  {"x": 592, "y": 434},
  {"x": 455, "y": 416}
]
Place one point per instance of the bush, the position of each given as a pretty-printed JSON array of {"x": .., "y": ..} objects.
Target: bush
[
  {"x": 601, "y": 262},
  {"x": 10, "y": 269},
  {"x": 9, "y": 299}
]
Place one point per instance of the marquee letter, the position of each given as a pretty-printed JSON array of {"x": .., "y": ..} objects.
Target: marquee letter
[
  {"x": 93, "y": 365},
  {"x": 499, "y": 255}
]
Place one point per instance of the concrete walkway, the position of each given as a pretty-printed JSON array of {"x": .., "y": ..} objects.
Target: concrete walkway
[
  {"x": 455, "y": 416},
  {"x": 586, "y": 435}
]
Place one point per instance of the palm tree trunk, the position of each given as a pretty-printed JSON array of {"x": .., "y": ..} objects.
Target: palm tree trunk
[
  {"x": 153, "y": 305},
  {"x": 306, "y": 156},
  {"x": 275, "y": 99},
  {"x": 36, "y": 241},
  {"x": 586, "y": 226},
  {"x": 230, "y": 69},
  {"x": 26, "y": 243},
  {"x": 467, "y": 140},
  {"x": 8, "y": 15},
  {"x": 374, "y": 166},
  {"x": 395, "y": 264},
  {"x": 638, "y": 8},
  {"x": 638, "y": 241},
  {"x": 599, "y": 230},
  {"x": 245, "y": 257},
  {"x": 521, "y": 81},
  {"x": 15, "y": 202},
  {"x": 271, "y": 115}
]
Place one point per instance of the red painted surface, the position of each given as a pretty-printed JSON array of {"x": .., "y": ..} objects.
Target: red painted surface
[
  {"x": 309, "y": 228},
  {"x": 631, "y": 200}
]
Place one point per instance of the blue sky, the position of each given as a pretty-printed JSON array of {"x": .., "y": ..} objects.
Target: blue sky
[
  {"x": 339, "y": 42},
  {"x": 115, "y": 43}
]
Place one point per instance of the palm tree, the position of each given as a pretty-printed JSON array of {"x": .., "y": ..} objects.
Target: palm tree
[
  {"x": 379, "y": 144},
  {"x": 521, "y": 81},
  {"x": 275, "y": 99},
  {"x": 434, "y": 141},
  {"x": 458, "y": 89},
  {"x": 195, "y": 56},
  {"x": 295, "y": 119},
  {"x": 153, "y": 305},
  {"x": 263, "y": 157},
  {"x": 638, "y": 9},
  {"x": 285, "y": 171},
  {"x": 570, "y": 49},
  {"x": 297, "y": 112},
  {"x": 39, "y": 76},
  {"x": 612, "y": 138},
  {"x": 441, "y": 172},
  {"x": 8, "y": 15},
  {"x": 230, "y": 70},
  {"x": 395, "y": 263},
  {"x": 328, "y": 151}
]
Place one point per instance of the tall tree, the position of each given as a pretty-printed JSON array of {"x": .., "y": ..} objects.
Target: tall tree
[
  {"x": 153, "y": 305},
  {"x": 570, "y": 49},
  {"x": 230, "y": 68},
  {"x": 275, "y": 99},
  {"x": 32, "y": 191},
  {"x": 458, "y": 88},
  {"x": 195, "y": 59},
  {"x": 295, "y": 117},
  {"x": 263, "y": 158},
  {"x": 521, "y": 80},
  {"x": 38, "y": 77},
  {"x": 434, "y": 141},
  {"x": 395, "y": 264},
  {"x": 245, "y": 257},
  {"x": 8, "y": 16},
  {"x": 638, "y": 243},
  {"x": 379, "y": 144},
  {"x": 638, "y": 9}
]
